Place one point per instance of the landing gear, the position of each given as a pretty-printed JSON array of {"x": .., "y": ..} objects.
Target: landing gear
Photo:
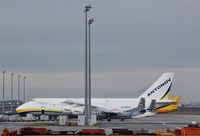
[{"x": 109, "y": 117}]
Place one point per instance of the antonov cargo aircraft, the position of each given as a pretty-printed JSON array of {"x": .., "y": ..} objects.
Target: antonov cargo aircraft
[{"x": 145, "y": 105}]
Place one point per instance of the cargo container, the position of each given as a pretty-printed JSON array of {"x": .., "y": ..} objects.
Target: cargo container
[
  {"x": 192, "y": 130},
  {"x": 188, "y": 132},
  {"x": 62, "y": 120}
]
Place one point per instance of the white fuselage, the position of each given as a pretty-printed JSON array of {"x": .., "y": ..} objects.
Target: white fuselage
[{"x": 76, "y": 104}]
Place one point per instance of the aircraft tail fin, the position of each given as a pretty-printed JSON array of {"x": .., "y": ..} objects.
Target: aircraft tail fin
[
  {"x": 177, "y": 99},
  {"x": 160, "y": 88},
  {"x": 171, "y": 107}
]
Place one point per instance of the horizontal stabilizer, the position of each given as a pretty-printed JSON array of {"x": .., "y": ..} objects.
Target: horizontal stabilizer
[
  {"x": 141, "y": 105},
  {"x": 140, "y": 109},
  {"x": 149, "y": 112},
  {"x": 152, "y": 107}
]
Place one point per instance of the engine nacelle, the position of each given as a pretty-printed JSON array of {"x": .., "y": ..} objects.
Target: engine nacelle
[{"x": 78, "y": 110}]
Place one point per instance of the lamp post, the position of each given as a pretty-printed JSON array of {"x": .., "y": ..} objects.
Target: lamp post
[
  {"x": 3, "y": 110},
  {"x": 19, "y": 88},
  {"x": 24, "y": 94},
  {"x": 90, "y": 21},
  {"x": 87, "y": 8},
  {"x": 11, "y": 93}
]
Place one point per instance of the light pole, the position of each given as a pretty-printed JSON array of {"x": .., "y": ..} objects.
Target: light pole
[
  {"x": 3, "y": 92},
  {"x": 24, "y": 94},
  {"x": 87, "y": 8},
  {"x": 19, "y": 88},
  {"x": 11, "y": 93},
  {"x": 90, "y": 21}
]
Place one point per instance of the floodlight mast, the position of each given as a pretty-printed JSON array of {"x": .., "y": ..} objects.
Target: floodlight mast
[
  {"x": 19, "y": 88},
  {"x": 90, "y": 21},
  {"x": 86, "y": 10},
  {"x": 11, "y": 93},
  {"x": 3, "y": 107},
  {"x": 24, "y": 87}
]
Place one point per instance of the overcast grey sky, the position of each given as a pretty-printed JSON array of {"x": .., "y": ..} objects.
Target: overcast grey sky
[{"x": 133, "y": 43}]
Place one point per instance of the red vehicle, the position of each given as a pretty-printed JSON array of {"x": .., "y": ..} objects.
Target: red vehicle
[
  {"x": 92, "y": 132},
  {"x": 33, "y": 131}
]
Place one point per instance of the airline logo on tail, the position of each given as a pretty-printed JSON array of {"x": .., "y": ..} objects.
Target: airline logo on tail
[{"x": 159, "y": 87}]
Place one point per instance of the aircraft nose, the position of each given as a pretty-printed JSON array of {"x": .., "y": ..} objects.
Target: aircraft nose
[
  {"x": 24, "y": 107},
  {"x": 28, "y": 107},
  {"x": 19, "y": 109}
]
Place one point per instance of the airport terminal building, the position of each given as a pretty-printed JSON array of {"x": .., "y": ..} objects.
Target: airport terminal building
[{"x": 9, "y": 106}]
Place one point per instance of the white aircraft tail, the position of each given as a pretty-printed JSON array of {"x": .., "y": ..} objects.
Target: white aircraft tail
[{"x": 160, "y": 88}]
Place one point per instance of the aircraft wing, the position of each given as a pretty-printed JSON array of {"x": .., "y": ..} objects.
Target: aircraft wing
[
  {"x": 71, "y": 102},
  {"x": 81, "y": 104}
]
